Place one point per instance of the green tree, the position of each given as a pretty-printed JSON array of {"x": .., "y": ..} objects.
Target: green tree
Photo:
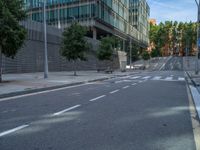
[
  {"x": 155, "y": 53},
  {"x": 12, "y": 35},
  {"x": 145, "y": 55},
  {"x": 106, "y": 48},
  {"x": 74, "y": 45}
]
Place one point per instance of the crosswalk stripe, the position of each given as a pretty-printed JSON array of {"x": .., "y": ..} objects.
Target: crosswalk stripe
[
  {"x": 136, "y": 77},
  {"x": 181, "y": 79},
  {"x": 168, "y": 78},
  {"x": 157, "y": 78},
  {"x": 147, "y": 77}
]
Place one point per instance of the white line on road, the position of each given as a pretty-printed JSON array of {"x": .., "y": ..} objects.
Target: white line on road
[
  {"x": 181, "y": 79},
  {"x": 147, "y": 77},
  {"x": 119, "y": 81},
  {"x": 65, "y": 110},
  {"x": 126, "y": 87},
  {"x": 156, "y": 78},
  {"x": 136, "y": 77},
  {"x": 42, "y": 92},
  {"x": 13, "y": 130},
  {"x": 114, "y": 91},
  {"x": 168, "y": 78},
  {"x": 94, "y": 99}
]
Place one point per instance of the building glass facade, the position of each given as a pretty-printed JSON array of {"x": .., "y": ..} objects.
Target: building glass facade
[
  {"x": 102, "y": 16},
  {"x": 139, "y": 13}
]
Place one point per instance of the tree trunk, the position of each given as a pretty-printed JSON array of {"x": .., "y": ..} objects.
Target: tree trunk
[
  {"x": 1, "y": 62},
  {"x": 75, "y": 74}
]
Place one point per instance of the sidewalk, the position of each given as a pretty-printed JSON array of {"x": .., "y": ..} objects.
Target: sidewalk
[{"x": 16, "y": 84}]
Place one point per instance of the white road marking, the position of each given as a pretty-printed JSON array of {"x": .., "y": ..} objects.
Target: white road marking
[
  {"x": 147, "y": 77},
  {"x": 119, "y": 81},
  {"x": 134, "y": 84},
  {"x": 126, "y": 87},
  {"x": 13, "y": 130},
  {"x": 181, "y": 79},
  {"x": 157, "y": 78},
  {"x": 42, "y": 92},
  {"x": 136, "y": 77},
  {"x": 94, "y": 99},
  {"x": 168, "y": 78},
  {"x": 114, "y": 91},
  {"x": 65, "y": 110}
]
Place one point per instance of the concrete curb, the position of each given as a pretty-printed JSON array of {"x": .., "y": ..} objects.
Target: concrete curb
[
  {"x": 193, "y": 82},
  {"x": 12, "y": 94},
  {"x": 194, "y": 94}
]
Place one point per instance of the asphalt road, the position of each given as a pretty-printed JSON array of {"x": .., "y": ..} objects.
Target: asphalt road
[{"x": 146, "y": 111}]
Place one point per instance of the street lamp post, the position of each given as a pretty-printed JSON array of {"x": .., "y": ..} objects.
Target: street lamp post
[
  {"x": 46, "y": 68},
  {"x": 130, "y": 53},
  {"x": 198, "y": 40}
]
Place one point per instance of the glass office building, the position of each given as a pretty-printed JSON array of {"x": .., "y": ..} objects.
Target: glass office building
[
  {"x": 102, "y": 17},
  {"x": 139, "y": 13}
]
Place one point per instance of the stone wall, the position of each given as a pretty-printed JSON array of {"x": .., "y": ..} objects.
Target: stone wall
[{"x": 30, "y": 57}]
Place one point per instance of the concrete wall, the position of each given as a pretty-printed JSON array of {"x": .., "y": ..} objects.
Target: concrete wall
[{"x": 30, "y": 57}]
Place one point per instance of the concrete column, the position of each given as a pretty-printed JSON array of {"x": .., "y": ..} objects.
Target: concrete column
[{"x": 94, "y": 31}]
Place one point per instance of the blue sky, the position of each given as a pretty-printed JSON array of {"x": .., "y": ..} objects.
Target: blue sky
[{"x": 180, "y": 10}]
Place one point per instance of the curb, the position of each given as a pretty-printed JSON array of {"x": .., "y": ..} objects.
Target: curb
[
  {"x": 12, "y": 94},
  {"x": 194, "y": 95},
  {"x": 193, "y": 82}
]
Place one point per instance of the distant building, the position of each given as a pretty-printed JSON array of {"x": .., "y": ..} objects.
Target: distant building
[{"x": 153, "y": 21}]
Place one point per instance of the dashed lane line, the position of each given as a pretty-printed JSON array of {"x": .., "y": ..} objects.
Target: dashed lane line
[
  {"x": 65, "y": 110},
  {"x": 125, "y": 87},
  {"x": 94, "y": 99},
  {"x": 115, "y": 91},
  {"x": 13, "y": 130}
]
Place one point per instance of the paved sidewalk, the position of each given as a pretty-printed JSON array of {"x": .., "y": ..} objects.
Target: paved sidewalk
[{"x": 15, "y": 84}]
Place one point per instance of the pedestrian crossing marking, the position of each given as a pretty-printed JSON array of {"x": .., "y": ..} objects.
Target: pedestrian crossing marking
[
  {"x": 181, "y": 79},
  {"x": 147, "y": 77},
  {"x": 154, "y": 78},
  {"x": 157, "y": 78},
  {"x": 168, "y": 78},
  {"x": 136, "y": 77}
]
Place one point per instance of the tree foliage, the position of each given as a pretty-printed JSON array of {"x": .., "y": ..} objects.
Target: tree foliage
[
  {"x": 155, "y": 53},
  {"x": 12, "y": 35},
  {"x": 145, "y": 55},
  {"x": 106, "y": 48},
  {"x": 74, "y": 46},
  {"x": 173, "y": 36}
]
